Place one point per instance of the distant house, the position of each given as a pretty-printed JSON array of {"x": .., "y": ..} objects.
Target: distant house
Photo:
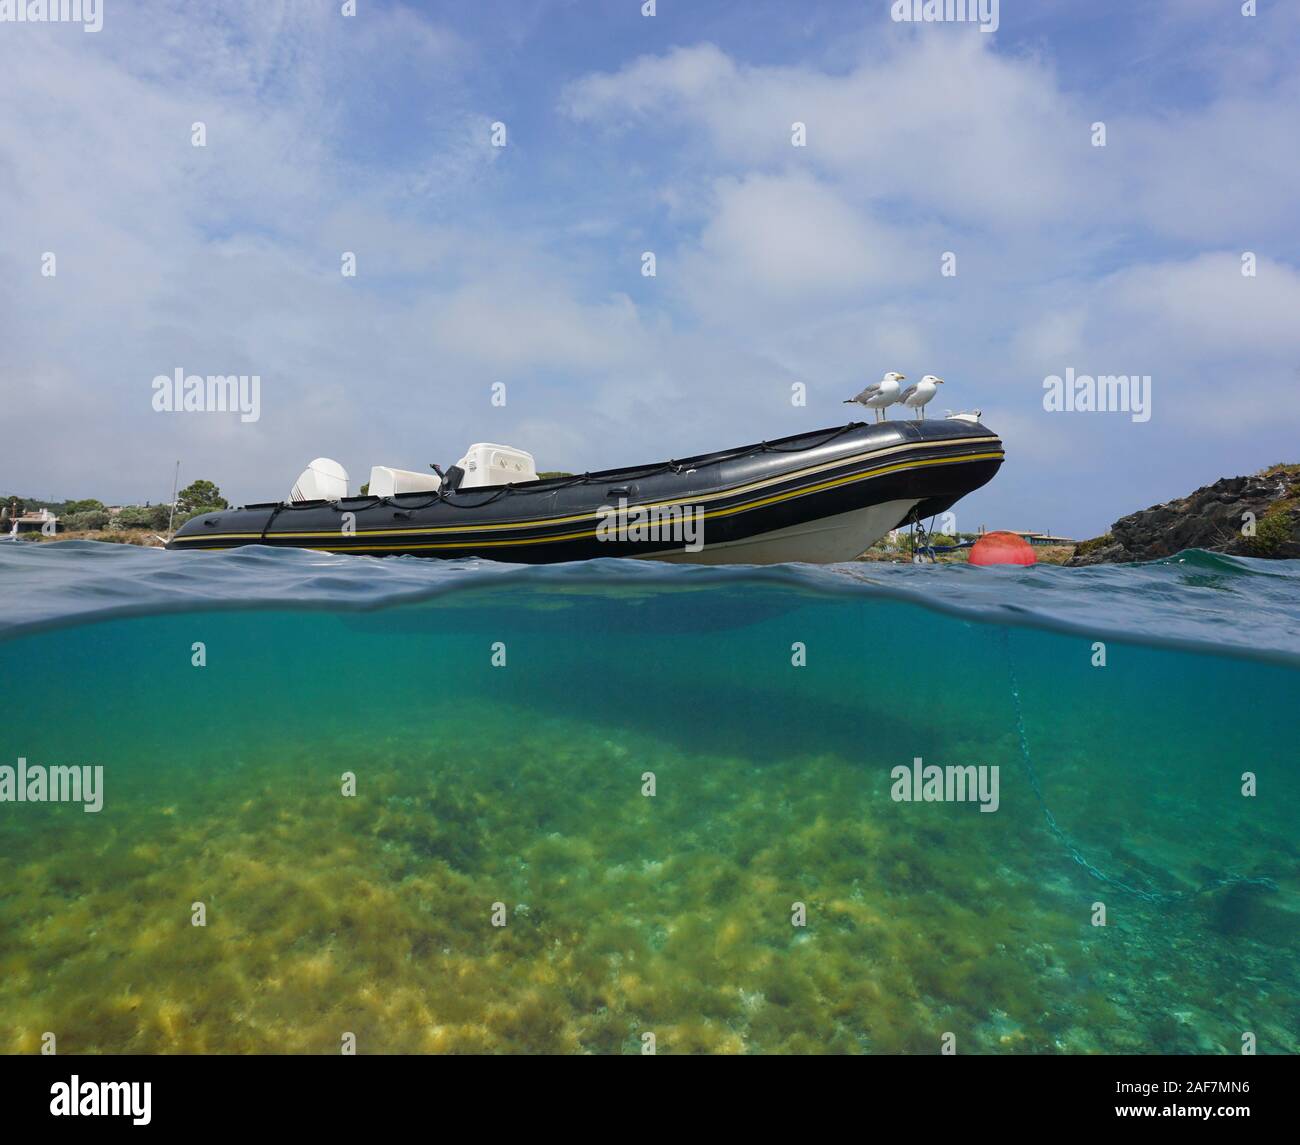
[
  {"x": 1044, "y": 538},
  {"x": 1033, "y": 538},
  {"x": 36, "y": 520}
]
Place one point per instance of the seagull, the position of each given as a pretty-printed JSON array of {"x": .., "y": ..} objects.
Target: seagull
[
  {"x": 918, "y": 395},
  {"x": 878, "y": 395},
  {"x": 971, "y": 416}
]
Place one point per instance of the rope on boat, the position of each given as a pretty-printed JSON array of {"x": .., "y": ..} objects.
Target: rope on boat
[
  {"x": 764, "y": 447},
  {"x": 1163, "y": 898},
  {"x": 555, "y": 484},
  {"x": 927, "y": 545},
  {"x": 267, "y": 523}
]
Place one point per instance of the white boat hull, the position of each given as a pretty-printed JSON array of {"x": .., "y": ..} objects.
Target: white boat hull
[{"x": 826, "y": 540}]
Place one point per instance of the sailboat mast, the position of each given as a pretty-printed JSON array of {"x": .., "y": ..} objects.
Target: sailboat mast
[{"x": 172, "y": 515}]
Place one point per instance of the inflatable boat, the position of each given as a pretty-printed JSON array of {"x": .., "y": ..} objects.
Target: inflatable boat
[{"x": 817, "y": 497}]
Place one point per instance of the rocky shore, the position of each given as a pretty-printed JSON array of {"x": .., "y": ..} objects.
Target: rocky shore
[{"x": 1256, "y": 516}]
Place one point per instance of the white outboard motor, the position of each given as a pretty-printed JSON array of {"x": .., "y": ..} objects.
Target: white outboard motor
[
  {"x": 322, "y": 480},
  {"x": 487, "y": 464}
]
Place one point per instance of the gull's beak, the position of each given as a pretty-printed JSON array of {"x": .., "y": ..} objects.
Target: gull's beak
[{"x": 939, "y": 381}]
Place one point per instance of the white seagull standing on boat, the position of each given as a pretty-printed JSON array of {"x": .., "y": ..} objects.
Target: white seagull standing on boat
[
  {"x": 917, "y": 396},
  {"x": 879, "y": 395}
]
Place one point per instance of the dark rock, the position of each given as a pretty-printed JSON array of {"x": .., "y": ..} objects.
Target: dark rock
[{"x": 1212, "y": 518}]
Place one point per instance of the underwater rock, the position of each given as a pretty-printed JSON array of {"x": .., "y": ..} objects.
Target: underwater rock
[
  {"x": 1249, "y": 911},
  {"x": 1266, "y": 505}
]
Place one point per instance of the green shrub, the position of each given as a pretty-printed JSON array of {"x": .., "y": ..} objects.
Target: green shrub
[
  {"x": 1096, "y": 543},
  {"x": 136, "y": 517},
  {"x": 1272, "y": 531},
  {"x": 90, "y": 519}
]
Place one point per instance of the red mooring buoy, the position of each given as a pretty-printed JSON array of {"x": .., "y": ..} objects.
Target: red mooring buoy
[{"x": 1002, "y": 549}]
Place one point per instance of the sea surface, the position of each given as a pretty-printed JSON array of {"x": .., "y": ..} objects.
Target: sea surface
[{"x": 604, "y": 808}]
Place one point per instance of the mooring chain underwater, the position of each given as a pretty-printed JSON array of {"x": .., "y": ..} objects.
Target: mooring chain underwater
[{"x": 1162, "y": 897}]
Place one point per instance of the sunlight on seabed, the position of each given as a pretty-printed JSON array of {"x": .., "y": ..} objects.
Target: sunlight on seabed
[{"x": 500, "y": 731}]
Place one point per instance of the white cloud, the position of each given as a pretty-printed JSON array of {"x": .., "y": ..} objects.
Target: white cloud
[
  {"x": 1205, "y": 304},
  {"x": 904, "y": 125},
  {"x": 786, "y": 242},
  {"x": 1222, "y": 350},
  {"x": 945, "y": 124}
]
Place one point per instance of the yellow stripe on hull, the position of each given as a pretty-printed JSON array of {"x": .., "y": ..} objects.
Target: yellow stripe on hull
[
  {"x": 544, "y": 522},
  {"x": 762, "y": 502}
]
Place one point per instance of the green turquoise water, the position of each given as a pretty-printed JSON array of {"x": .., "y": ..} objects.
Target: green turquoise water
[{"x": 523, "y": 784}]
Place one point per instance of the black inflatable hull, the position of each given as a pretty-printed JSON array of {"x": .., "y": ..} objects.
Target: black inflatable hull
[{"x": 817, "y": 497}]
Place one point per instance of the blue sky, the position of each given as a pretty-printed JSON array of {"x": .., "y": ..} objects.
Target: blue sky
[{"x": 522, "y": 264}]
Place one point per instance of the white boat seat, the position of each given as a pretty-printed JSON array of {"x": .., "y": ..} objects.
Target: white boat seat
[{"x": 386, "y": 481}]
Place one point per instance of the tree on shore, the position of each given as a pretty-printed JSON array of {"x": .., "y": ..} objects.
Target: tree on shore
[
  {"x": 200, "y": 495},
  {"x": 87, "y": 505}
]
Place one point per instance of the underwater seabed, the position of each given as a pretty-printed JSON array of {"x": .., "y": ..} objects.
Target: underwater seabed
[{"x": 626, "y": 914}]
